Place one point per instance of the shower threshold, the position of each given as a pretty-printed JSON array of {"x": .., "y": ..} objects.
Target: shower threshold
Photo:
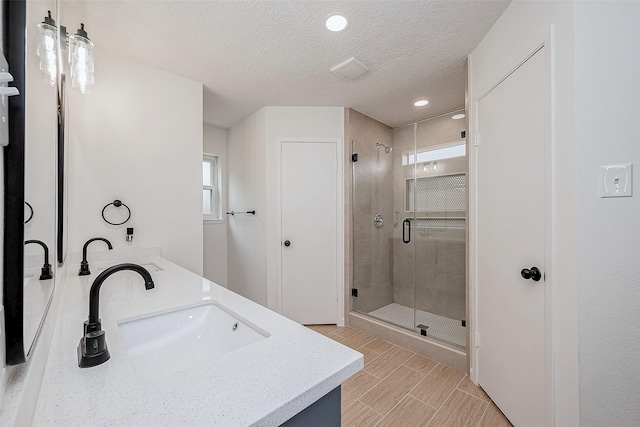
[{"x": 440, "y": 327}]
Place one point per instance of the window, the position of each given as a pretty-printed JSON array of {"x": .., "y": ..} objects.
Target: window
[
  {"x": 441, "y": 152},
  {"x": 211, "y": 197}
]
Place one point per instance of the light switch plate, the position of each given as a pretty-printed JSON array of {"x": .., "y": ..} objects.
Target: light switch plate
[{"x": 616, "y": 180}]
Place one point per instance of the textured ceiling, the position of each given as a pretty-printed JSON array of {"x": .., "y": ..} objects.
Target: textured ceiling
[{"x": 249, "y": 54}]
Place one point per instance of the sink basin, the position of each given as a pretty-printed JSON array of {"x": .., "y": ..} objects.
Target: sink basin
[{"x": 162, "y": 344}]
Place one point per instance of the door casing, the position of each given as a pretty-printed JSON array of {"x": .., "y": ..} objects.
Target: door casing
[
  {"x": 474, "y": 97},
  {"x": 340, "y": 321}
]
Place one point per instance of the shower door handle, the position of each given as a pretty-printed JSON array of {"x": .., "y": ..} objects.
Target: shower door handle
[{"x": 406, "y": 237}]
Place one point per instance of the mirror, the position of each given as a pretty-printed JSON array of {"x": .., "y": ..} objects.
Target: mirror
[
  {"x": 41, "y": 129},
  {"x": 30, "y": 183}
]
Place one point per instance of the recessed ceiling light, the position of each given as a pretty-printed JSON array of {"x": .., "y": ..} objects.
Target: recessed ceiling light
[
  {"x": 337, "y": 23},
  {"x": 458, "y": 117},
  {"x": 421, "y": 103}
]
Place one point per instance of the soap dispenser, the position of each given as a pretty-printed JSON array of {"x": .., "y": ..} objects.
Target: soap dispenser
[{"x": 129, "y": 235}]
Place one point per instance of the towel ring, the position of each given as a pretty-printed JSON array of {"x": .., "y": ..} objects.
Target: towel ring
[
  {"x": 117, "y": 204},
  {"x": 31, "y": 215}
]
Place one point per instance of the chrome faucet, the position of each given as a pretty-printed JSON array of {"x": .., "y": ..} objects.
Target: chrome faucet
[
  {"x": 45, "y": 274},
  {"x": 92, "y": 350},
  {"x": 84, "y": 265}
]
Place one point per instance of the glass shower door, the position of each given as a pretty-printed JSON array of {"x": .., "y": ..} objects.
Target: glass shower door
[
  {"x": 375, "y": 225},
  {"x": 437, "y": 200}
]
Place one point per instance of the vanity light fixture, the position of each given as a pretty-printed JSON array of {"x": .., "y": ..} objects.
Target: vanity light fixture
[
  {"x": 80, "y": 54},
  {"x": 337, "y": 23},
  {"x": 421, "y": 103},
  {"x": 81, "y": 61},
  {"x": 46, "y": 49},
  {"x": 458, "y": 116}
]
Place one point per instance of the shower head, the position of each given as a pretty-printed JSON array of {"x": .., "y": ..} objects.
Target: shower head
[{"x": 386, "y": 149}]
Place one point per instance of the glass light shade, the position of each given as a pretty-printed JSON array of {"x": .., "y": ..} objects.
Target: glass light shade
[
  {"x": 46, "y": 51},
  {"x": 81, "y": 63}
]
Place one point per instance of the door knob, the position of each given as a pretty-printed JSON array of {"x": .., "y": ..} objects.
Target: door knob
[
  {"x": 533, "y": 273},
  {"x": 287, "y": 243}
]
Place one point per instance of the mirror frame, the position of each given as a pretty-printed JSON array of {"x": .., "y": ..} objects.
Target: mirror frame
[
  {"x": 60, "y": 218},
  {"x": 14, "y": 24}
]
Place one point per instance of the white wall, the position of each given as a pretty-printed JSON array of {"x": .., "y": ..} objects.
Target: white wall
[
  {"x": 246, "y": 234},
  {"x": 137, "y": 138},
  {"x": 513, "y": 35},
  {"x": 215, "y": 231},
  {"x": 607, "y": 132},
  {"x": 252, "y": 242}
]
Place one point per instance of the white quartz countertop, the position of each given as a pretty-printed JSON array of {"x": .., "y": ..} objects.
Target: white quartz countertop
[{"x": 262, "y": 384}]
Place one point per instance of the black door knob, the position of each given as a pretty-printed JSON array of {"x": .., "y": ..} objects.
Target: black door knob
[
  {"x": 532, "y": 273},
  {"x": 287, "y": 243}
]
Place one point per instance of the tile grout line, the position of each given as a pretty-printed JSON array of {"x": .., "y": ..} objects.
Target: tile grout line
[
  {"x": 358, "y": 400},
  {"x": 422, "y": 401},
  {"x": 381, "y": 354},
  {"x": 483, "y": 414},
  {"x": 447, "y": 399},
  {"x": 362, "y": 403},
  {"x": 425, "y": 377},
  {"x": 363, "y": 345},
  {"x": 425, "y": 374},
  {"x": 406, "y": 394},
  {"x": 475, "y": 397}
]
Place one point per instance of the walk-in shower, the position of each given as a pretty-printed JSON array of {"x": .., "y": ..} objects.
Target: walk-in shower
[{"x": 409, "y": 209}]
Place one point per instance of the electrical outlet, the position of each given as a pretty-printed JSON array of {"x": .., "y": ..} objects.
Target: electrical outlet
[{"x": 616, "y": 180}]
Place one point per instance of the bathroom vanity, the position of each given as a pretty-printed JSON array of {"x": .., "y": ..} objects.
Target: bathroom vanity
[{"x": 277, "y": 371}]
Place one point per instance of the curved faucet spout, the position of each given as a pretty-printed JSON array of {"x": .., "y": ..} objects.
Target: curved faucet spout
[
  {"x": 94, "y": 293},
  {"x": 84, "y": 265},
  {"x": 46, "y": 268},
  {"x": 92, "y": 350}
]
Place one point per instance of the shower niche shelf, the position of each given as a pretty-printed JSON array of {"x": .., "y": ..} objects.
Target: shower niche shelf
[
  {"x": 440, "y": 193},
  {"x": 440, "y": 222}
]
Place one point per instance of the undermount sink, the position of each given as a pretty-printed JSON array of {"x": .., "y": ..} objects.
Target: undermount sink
[{"x": 161, "y": 344}]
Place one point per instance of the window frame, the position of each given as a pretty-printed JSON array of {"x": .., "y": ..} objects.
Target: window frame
[
  {"x": 215, "y": 188},
  {"x": 410, "y": 158}
]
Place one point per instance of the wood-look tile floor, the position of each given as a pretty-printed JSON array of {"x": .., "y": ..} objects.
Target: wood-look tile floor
[{"x": 400, "y": 388}]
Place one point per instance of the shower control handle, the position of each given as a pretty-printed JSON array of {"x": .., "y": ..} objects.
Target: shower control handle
[
  {"x": 532, "y": 273},
  {"x": 406, "y": 225},
  {"x": 287, "y": 243}
]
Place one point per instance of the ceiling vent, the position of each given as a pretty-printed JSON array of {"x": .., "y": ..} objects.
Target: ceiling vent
[{"x": 350, "y": 69}]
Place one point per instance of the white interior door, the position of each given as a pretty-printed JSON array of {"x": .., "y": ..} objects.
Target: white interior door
[
  {"x": 511, "y": 203},
  {"x": 309, "y": 232}
]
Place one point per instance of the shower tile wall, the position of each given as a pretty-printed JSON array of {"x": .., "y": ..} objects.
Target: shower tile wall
[
  {"x": 373, "y": 193},
  {"x": 440, "y": 253}
]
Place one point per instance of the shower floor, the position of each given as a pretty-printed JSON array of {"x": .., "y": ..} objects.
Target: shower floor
[{"x": 440, "y": 327}]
